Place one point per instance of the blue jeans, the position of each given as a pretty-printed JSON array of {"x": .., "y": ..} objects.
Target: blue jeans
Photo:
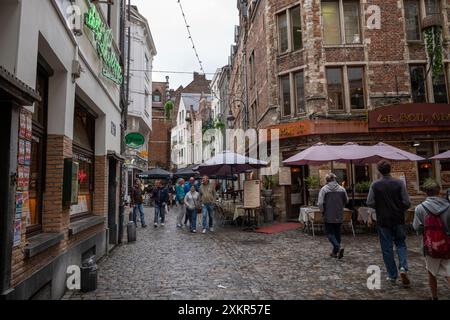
[
  {"x": 192, "y": 214},
  {"x": 160, "y": 212},
  {"x": 333, "y": 231},
  {"x": 207, "y": 208},
  {"x": 388, "y": 236},
  {"x": 140, "y": 208}
]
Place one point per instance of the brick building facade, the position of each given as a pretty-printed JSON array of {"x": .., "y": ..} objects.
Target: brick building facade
[
  {"x": 159, "y": 145},
  {"x": 319, "y": 71}
]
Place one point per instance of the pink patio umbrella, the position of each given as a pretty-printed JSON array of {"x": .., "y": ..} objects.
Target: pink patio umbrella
[
  {"x": 351, "y": 153},
  {"x": 442, "y": 156}
]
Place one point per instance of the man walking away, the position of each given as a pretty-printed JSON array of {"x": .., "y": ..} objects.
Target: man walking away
[
  {"x": 332, "y": 201},
  {"x": 160, "y": 197},
  {"x": 137, "y": 203},
  {"x": 389, "y": 198},
  {"x": 179, "y": 202},
  {"x": 432, "y": 219},
  {"x": 207, "y": 198}
]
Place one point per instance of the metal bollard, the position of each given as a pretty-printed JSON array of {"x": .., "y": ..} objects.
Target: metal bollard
[{"x": 131, "y": 232}]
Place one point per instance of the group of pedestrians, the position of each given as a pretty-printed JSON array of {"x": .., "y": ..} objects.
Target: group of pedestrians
[
  {"x": 389, "y": 197},
  {"x": 160, "y": 198},
  {"x": 193, "y": 199}
]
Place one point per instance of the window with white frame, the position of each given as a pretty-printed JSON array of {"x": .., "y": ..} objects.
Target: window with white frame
[
  {"x": 341, "y": 22},
  {"x": 290, "y": 29}
]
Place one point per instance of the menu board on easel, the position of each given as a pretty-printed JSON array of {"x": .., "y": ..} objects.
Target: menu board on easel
[
  {"x": 252, "y": 194},
  {"x": 285, "y": 176}
]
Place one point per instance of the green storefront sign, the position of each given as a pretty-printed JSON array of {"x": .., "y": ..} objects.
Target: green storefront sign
[
  {"x": 134, "y": 140},
  {"x": 103, "y": 37}
]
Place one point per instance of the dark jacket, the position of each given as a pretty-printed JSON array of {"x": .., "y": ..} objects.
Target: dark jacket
[
  {"x": 136, "y": 196},
  {"x": 389, "y": 198},
  {"x": 160, "y": 196},
  {"x": 332, "y": 201}
]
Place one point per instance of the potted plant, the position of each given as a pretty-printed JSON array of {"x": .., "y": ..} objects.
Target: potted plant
[
  {"x": 363, "y": 187},
  {"x": 313, "y": 184},
  {"x": 268, "y": 183}
]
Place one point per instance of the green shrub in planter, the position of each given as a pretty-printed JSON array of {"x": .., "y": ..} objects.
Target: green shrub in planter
[
  {"x": 313, "y": 182},
  {"x": 363, "y": 187}
]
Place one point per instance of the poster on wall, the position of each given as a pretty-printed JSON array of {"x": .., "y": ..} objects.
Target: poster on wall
[
  {"x": 17, "y": 232},
  {"x": 26, "y": 206},
  {"x": 29, "y": 129},
  {"x": 23, "y": 125},
  {"x": 80, "y": 207},
  {"x": 21, "y": 152},
  {"x": 27, "y": 157},
  {"x": 252, "y": 194},
  {"x": 285, "y": 176},
  {"x": 19, "y": 205},
  {"x": 20, "y": 179},
  {"x": 26, "y": 178}
]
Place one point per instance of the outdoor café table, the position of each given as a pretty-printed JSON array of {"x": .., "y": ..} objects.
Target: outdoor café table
[
  {"x": 307, "y": 213},
  {"x": 239, "y": 211}
]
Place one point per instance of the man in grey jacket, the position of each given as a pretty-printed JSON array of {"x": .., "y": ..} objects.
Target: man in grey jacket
[
  {"x": 437, "y": 206},
  {"x": 332, "y": 201}
]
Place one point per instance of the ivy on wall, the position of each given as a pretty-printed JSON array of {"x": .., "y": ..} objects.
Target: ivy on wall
[
  {"x": 168, "y": 107},
  {"x": 433, "y": 41}
]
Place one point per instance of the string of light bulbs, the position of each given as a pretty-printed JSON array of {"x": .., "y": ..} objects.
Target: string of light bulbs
[{"x": 190, "y": 37}]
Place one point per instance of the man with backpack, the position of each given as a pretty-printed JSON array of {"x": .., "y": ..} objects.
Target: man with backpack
[
  {"x": 389, "y": 198},
  {"x": 432, "y": 219}
]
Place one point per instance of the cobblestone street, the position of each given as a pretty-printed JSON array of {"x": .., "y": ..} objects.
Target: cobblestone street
[{"x": 167, "y": 263}]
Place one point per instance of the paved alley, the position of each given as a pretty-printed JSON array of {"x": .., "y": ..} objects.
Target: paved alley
[{"x": 168, "y": 263}]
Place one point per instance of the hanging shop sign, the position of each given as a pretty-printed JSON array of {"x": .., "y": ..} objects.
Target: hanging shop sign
[
  {"x": 103, "y": 37},
  {"x": 134, "y": 140}
]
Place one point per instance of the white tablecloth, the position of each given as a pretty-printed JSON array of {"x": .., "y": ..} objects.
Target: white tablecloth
[{"x": 307, "y": 214}]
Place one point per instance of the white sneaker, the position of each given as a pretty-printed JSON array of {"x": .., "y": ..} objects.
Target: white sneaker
[
  {"x": 211, "y": 229},
  {"x": 204, "y": 231},
  {"x": 163, "y": 224}
]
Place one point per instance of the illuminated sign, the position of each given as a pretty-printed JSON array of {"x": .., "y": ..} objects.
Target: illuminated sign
[{"x": 103, "y": 37}]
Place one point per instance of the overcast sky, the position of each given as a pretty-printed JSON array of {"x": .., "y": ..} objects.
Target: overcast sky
[{"x": 212, "y": 26}]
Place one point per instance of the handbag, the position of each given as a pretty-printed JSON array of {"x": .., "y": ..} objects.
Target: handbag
[{"x": 197, "y": 207}]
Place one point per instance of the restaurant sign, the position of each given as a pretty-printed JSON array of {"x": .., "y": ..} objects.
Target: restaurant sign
[
  {"x": 410, "y": 115},
  {"x": 103, "y": 37}
]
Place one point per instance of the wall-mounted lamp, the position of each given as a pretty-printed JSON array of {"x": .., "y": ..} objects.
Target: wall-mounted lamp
[
  {"x": 230, "y": 120},
  {"x": 416, "y": 144}
]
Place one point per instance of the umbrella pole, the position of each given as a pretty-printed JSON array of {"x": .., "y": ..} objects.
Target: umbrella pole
[{"x": 353, "y": 185}]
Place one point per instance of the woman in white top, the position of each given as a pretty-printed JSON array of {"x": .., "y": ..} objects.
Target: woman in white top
[{"x": 192, "y": 202}]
